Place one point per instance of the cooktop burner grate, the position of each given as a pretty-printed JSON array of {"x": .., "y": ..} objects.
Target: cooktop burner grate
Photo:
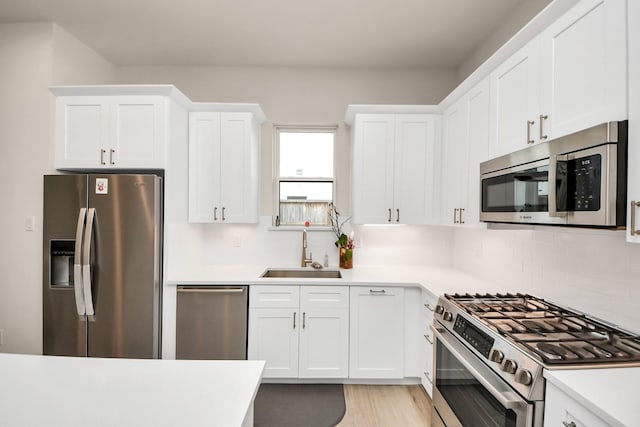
[{"x": 553, "y": 334}]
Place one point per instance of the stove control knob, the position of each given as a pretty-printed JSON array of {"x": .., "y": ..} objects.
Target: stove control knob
[
  {"x": 439, "y": 309},
  {"x": 523, "y": 377},
  {"x": 447, "y": 316},
  {"x": 510, "y": 366},
  {"x": 496, "y": 356}
]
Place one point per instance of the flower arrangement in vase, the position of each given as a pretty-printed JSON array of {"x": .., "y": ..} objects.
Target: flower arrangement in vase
[{"x": 344, "y": 243}]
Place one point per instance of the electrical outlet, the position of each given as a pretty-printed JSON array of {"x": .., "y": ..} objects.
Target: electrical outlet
[{"x": 30, "y": 223}]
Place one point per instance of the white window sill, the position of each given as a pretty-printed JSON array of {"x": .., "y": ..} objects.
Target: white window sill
[{"x": 299, "y": 228}]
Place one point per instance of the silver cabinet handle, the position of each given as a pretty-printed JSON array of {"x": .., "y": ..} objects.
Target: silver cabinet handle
[
  {"x": 223, "y": 218},
  {"x": 294, "y": 320},
  {"x": 102, "y": 153},
  {"x": 569, "y": 424},
  {"x": 455, "y": 216},
  {"x": 426, "y": 337},
  {"x": 398, "y": 215},
  {"x": 529, "y": 124},
  {"x": 543, "y": 117},
  {"x": 389, "y": 220},
  {"x": 304, "y": 320},
  {"x": 86, "y": 262},
  {"x": 428, "y": 307},
  {"x": 427, "y": 376},
  {"x": 111, "y": 153},
  {"x": 77, "y": 264},
  {"x": 215, "y": 213},
  {"x": 374, "y": 292},
  {"x": 461, "y": 210},
  {"x": 634, "y": 206}
]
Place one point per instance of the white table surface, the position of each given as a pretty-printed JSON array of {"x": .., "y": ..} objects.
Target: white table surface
[
  {"x": 611, "y": 394},
  {"x": 75, "y": 391}
]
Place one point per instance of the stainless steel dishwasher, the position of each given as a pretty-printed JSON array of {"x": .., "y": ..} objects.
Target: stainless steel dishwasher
[{"x": 211, "y": 322}]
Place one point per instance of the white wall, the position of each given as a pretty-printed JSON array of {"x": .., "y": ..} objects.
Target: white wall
[
  {"x": 595, "y": 271},
  {"x": 28, "y": 53}
]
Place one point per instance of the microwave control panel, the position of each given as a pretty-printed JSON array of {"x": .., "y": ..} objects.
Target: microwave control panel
[{"x": 580, "y": 180}]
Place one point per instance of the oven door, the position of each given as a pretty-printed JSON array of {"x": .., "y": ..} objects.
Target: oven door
[
  {"x": 518, "y": 194},
  {"x": 467, "y": 393}
]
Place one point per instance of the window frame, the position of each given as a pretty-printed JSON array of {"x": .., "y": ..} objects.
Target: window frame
[{"x": 277, "y": 179}]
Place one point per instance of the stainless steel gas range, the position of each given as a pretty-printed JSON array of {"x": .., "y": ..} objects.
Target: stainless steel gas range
[{"x": 491, "y": 351}]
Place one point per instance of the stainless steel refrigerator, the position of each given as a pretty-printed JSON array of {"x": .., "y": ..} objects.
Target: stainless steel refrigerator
[{"x": 102, "y": 244}]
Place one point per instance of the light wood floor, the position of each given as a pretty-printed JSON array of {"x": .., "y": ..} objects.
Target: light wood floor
[{"x": 386, "y": 406}]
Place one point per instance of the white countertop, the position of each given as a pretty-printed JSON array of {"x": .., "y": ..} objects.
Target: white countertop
[
  {"x": 611, "y": 394},
  {"x": 77, "y": 391},
  {"x": 434, "y": 279}
]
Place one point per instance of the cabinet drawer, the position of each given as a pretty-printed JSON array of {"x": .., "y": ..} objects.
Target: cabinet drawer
[
  {"x": 324, "y": 297},
  {"x": 274, "y": 296},
  {"x": 561, "y": 409}
]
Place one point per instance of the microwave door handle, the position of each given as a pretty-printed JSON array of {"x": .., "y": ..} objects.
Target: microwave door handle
[
  {"x": 86, "y": 261},
  {"x": 552, "y": 190},
  {"x": 77, "y": 264},
  {"x": 508, "y": 399}
]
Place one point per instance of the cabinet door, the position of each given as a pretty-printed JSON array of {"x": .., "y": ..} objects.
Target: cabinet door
[
  {"x": 476, "y": 103},
  {"x": 239, "y": 169},
  {"x": 633, "y": 189},
  {"x": 81, "y": 132},
  {"x": 372, "y": 168},
  {"x": 376, "y": 345},
  {"x": 454, "y": 153},
  {"x": 324, "y": 343},
  {"x": 413, "y": 169},
  {"x": 273, "y": 337},
  {"x": 137, "y": 132},
  {"x": 204, "y": 172},
  {"x": 583, "y": 66},
  {"x": 515, "y": 101}
]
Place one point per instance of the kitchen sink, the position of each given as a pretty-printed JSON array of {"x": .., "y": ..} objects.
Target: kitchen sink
[{"x": 303, "y": 274}]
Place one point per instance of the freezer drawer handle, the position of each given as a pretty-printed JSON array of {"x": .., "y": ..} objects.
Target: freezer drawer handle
[
  {"x": 77, "y": 264},
  {"x": 634, "y": 206},
  {"x": 86, "y": 266}
]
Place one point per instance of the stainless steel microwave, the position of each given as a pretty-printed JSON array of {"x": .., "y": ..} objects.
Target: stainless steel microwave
[{"x": 579, "y": 179}]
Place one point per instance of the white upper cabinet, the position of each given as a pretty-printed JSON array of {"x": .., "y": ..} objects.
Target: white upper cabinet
[
  {"x": 633, "y": 188},
  {"x": 572, "y": 76},
  {"x": 393, "y": 168},
  {"x": 515, "y": 101},
  {"x": 114, "y": 127},
  {"x": 465, "y": 144},
  {"x": 224, "y": 170}
]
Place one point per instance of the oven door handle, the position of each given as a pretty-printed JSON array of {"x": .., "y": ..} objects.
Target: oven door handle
[
  {"x": 508, "y": 399},
  {"x": 552, "y": 190}
]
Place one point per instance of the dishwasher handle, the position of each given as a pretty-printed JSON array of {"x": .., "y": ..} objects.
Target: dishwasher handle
[{"x": 211, "y": 290}]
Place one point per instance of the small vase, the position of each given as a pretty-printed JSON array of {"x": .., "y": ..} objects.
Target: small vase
[{"x": 346, "y": 258}]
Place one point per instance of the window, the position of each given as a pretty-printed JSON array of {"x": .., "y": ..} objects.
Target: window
[{"x": 305, "y": 176}]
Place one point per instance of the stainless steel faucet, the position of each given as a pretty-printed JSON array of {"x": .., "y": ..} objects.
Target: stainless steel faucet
[{"x": 305, "y": 261}]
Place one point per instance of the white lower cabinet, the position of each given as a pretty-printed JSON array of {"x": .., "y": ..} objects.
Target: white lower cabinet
[
  {"x": 377, "y": 332},
  {"x": 300, "y": 331},
  {"x": 562, "y": 410},
  {"x": 429, "y": 301}
]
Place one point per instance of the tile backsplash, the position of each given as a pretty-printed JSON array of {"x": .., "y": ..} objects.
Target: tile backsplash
[{"x": 594, "y": 271}]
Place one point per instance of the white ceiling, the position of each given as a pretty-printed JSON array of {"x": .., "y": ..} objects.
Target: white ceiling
[{"x": 304, "y": 33}]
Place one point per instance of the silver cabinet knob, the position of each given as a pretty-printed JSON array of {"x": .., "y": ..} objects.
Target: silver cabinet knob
[
  {"x": 523, "y": 377},
  {"x": 510, "y": 366},
  {"x": 447, "y": 316},
  {"x": 439, "y": 309},
  {"x": 496, "y": 356}
]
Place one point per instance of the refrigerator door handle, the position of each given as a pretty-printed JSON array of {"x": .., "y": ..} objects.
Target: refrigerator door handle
[
  {"x": 77, "y": 264},
  {"x": 86, "y": 262}
]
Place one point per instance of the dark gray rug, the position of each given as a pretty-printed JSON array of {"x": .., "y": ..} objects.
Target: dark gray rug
[{"x": 299, "y": 405}]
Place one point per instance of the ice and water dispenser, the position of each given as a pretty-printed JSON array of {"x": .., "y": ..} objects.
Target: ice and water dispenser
[{"x": 62, "y": 254}]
